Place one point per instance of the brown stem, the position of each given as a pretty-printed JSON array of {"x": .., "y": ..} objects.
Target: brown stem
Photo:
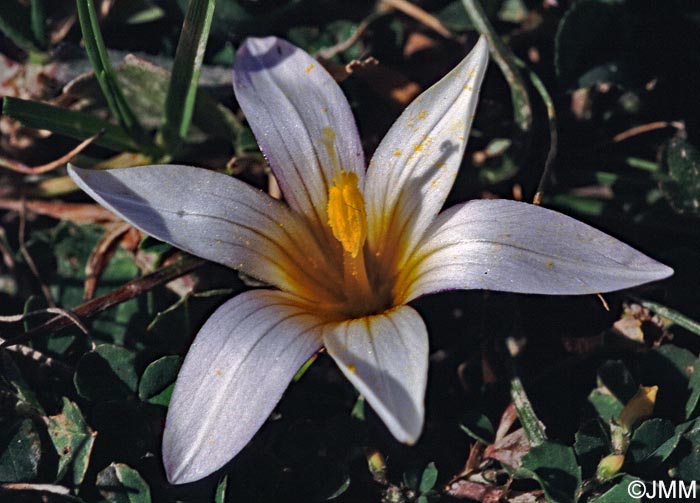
[{"x": 134, "y": 288}]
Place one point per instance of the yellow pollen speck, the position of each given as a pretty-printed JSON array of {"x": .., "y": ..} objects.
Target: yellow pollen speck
[
  {"x": 352, "y": 368},
  {"x": 247, "y": 243},
  {"x": 324, "y": 109},
  {"x": 549, "y": 264},
  {"x": 420, "y": 146},
  {"x": 346, "y": 213},
  {"x": 240, "y": 265},
  {"x": 439, "y": 164},
  {"x": 309, "y": 68},
  {"x": 397, "y": 152},
  {"x": 468, "y": 87},
  {"x": 422, "y": 114},
  {"x": 218, "y": 373}
]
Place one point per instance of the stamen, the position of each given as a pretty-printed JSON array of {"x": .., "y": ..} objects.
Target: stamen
[
  {"x": 347, "y": 219},
  {"x": 346, "y": 213}
]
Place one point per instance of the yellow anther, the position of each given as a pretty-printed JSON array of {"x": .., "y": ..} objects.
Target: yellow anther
[{"x": 346, "y": 213}]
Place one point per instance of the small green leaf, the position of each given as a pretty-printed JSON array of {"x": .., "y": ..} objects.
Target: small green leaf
[
  {"x": 689, "y": 467},
  {"x": 182, "y": 91},
  {"x": 12, "y": 375},
  {"x": 106, "y": 373},
  {"x": 478, "y": 427},
  {"x": 618, "y": 493},
  {"x": 119, "y": 483},
  {"x": 158, "y": 380},
  {"x": 20, "y": 451},
  {"x": 428, "y": 478},
  {"x": 682, "y": 188},
  {"x": 554, "y": 466},
  {"x": 60, "y": 120},
  {"x": 648, "y": 437},
  {"x": 73, "y": 440}
]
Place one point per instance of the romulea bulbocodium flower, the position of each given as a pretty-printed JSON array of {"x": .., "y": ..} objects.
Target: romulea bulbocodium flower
[{"x": 345, "y": 253}]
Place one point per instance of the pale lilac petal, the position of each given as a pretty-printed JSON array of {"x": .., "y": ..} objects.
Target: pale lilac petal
[
  {"x": 236, "y": 371},
  {"x": 386, "y": 359},
  {"x": 291, "y": 103},
  {"x": 216, "y": 217},
  {"x": 414, "y": 168},
  {"x": 519, "y": 247}
]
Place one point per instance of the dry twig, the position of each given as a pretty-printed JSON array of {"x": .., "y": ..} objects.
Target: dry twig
[
  {"x": 130, "y": 290},
  {"x": 45, "y": 168},
  {"x": 419, "y": 15}
]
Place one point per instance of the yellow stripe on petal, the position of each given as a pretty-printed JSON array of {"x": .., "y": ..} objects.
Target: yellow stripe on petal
[{"x": 346, "y": 213}]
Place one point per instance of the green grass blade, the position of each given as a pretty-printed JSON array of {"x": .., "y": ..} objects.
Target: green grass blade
[
  {"x": 180, "y": 100},
  {"x": 107, "y": 79},
  {"x": 68, "y": 122},
  {"x": 14, "y": 23},
  {"x": 534, "y": 431},
  {"x": 672, "y": 315},
  {"x": 38, "y": 22},
  {"x": 505, "y": 59}
]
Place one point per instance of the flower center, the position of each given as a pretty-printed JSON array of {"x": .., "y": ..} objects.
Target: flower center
[{"x": 347, "y": 220}]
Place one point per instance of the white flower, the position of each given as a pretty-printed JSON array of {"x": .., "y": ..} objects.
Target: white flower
[{"x": 346, "y": 253}]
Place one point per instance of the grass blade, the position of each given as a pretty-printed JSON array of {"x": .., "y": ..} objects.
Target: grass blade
[
  {"x": 68, "y": 122},
  {"x": 14, "y": 23},
  {"x": 38, "y": 22},
  {"x": 107, "y": 79},
  {"x": 534, "y": 431},
  {"x": 672, "y": 315},
  {"x": 522, "y": 110},
  {"x": 179, "y": 104}
]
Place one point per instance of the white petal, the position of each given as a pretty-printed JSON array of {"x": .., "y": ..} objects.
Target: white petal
[
  {"x": 289, "y": 99},
  {"x": 386, "y": 359},
  {"x": 236, "y": 371},
  {"x": 519, "y": 247},
  {"x": 414, "y": 168},
  {"x": 216, "y": 217}
]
